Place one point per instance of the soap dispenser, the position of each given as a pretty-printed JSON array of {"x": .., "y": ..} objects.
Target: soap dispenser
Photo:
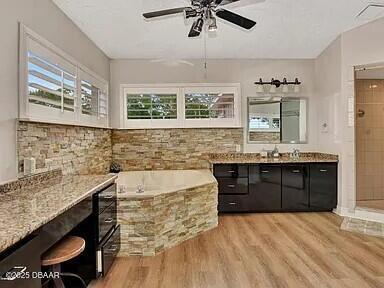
[
  {"x": 275, "y": 152},
  {"x": 29, "y": 163}
]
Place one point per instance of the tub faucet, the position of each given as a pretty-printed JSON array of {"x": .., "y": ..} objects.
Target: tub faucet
[{"x": 140, "y": 187}]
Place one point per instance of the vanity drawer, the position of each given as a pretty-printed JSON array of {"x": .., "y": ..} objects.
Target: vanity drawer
[
  {"x": 107, "y": 220},
  {"x": 234, "y": 203},
  {"x": 230, "y": 170},
  {"x": 233, "y": 185},
  {"x": 107, "y": 197}
]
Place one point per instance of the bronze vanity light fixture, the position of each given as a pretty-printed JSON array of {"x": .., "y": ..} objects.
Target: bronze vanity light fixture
[{"x": 275, "y": 83}]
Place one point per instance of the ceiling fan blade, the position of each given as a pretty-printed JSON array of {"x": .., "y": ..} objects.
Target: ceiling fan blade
[
  {"x": 239, "y": 3},
  {"x": 235, "y": 19},
  {"x": 164, "y": 12}
]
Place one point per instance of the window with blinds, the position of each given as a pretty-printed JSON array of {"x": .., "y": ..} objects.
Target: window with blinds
[
  {"x": 209, "y": 105},
  {"x": 181, "y": 106},
  {"x": 151, "y": 106},
  {"x": 56, "y": 88},
  {"x": 89, "y": 98},
  {"x": 50, "y": 85}
]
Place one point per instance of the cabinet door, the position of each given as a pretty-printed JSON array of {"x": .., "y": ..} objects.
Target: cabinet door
[
  {"x": 265, "y": 187},
  {"x": 323, "y": 186},
  {"x": 295, "y": 187},
  {"x": 20, "y": 268}
]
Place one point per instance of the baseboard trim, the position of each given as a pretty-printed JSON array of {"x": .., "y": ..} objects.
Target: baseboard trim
[{"x": 360, "y": 213}]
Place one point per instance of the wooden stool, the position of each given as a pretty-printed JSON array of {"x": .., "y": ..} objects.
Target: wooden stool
[{"x": 66, "y": 249}]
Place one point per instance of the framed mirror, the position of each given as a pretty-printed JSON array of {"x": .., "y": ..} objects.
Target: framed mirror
[{"x": 277, "y": 120}]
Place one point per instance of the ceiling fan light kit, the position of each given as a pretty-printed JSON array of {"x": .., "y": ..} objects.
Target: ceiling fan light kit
[
  {"x": 275, "y": 84},
  {"x": 206, "y": 11}
]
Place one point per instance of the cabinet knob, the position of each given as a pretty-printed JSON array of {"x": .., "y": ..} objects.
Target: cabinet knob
[
  {"x": 296, "y": 171},
  {"x": 232, "y": 203},
  {"x": 231, "y": 171},
  {"x": 231, "y": 186},
  {"x": 264, "y": 171},
  {"x": 323, "y": 170}
]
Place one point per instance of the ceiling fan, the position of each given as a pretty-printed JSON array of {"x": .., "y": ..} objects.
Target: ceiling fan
[{"x": 206, "y": 11}]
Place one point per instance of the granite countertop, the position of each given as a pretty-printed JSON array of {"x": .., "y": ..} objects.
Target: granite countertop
[
  {"x": 25, "y": 210},
  {"x": 249, "y": 158}
]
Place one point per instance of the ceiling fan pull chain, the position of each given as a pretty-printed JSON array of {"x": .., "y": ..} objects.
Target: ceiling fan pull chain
[{"x": 205, "y": 57}]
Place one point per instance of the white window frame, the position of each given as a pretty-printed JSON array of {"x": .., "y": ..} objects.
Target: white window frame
[
  {"x": 215, "y": 122},
  {"x": 151, "y": 123},
  {"x": 180, "y": 89},
  {"x": 33, "y": 112},
  {"x": 92, "y": 119}
]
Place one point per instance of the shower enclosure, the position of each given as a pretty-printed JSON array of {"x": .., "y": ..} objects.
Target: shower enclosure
[{"x": 369, "y": 85}]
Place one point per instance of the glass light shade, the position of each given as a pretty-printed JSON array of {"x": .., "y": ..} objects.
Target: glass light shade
[
  {"x": 260, "y": 89},
  {"x": 297, "y": 88},
  {"x": 285, "y": 88},
  {"x": 273, "y": 89}
]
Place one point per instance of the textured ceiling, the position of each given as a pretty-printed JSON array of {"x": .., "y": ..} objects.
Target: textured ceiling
[{"x": 286, "y": 28}]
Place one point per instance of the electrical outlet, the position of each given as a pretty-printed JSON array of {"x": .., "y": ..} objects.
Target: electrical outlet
[{"x": 238, "y": 148}]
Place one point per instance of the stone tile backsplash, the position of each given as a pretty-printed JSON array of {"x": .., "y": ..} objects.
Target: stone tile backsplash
[
  {"x": 85, "y": 150},
  {"x": 172, "y": 149},
  {"x": 73, "y": 149}
]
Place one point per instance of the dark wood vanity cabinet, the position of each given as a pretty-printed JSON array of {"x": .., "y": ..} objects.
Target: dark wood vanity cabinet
[
  {"x": 295, "y": 187},
  {"x": 233, "y": 187},
  {"x": 323, "y": 186},
  {"x": 265, "y": 187},
  {"x": 276, "y": 187}
]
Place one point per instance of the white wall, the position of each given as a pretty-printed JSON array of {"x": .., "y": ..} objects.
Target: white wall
[
  {"x": 245, "y": 71},
  {"x": 328, "y": 91},
  {"x": 360, "y": 46},
  {"x": 46, "y": 19},
  {"x": 335, "y": 76}
]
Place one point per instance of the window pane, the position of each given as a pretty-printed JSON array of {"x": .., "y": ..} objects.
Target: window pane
[
  {"x": 49, "y": 83},
  {"x": 259, "y": 123},
  {"x": 89, "y": 98},
  {"x": 151, "y": 106},
  {"x": 209, "y": 105}
]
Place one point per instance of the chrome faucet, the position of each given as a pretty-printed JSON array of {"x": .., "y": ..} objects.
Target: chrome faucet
[{"x": 295, "y": 155}]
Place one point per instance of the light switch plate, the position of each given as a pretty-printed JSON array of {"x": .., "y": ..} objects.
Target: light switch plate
[
  {"x": 351, "y": 119},
  {"x": 351, "y": 104}
]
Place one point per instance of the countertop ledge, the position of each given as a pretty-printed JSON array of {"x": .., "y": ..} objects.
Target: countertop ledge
[
  {"x": 255, "y": 158},
  {"x": 24, "y": 211}
]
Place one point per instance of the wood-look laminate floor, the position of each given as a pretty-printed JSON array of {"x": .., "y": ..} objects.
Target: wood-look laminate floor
[
  {"x": 260, "y": 250},
  {"x": 371, "y": 204}
]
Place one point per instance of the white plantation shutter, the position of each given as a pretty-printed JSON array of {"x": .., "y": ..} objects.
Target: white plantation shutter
[
  {"x": 212, "y": 106},
  {"x": 209, "y": 105},
  {"x": 56, "y": 88},
  {"x": 94, "y": 99},
  {"x": 51, "y": 83}
]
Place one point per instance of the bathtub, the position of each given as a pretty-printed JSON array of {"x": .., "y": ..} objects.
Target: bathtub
[
  {"x": 152, "y": 183},
  {"x": 173, "y": 206}
]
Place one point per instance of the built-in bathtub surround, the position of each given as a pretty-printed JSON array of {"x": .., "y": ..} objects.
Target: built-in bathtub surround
[
  {"x": 174, "y": 207},
  {"x": 167, "y": 149},
  {"x": 73, "y": 149},
  {"x": 305, "y": 157}
]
